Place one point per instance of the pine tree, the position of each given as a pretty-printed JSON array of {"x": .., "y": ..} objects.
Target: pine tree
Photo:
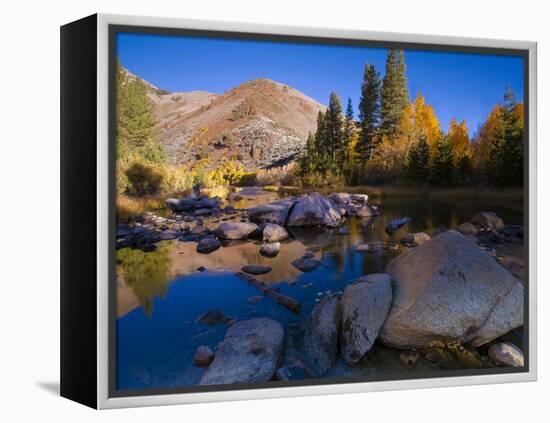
[
  {"x": 321, "y": 132},
  {"x": 443, "y": 163},
  {"x": 506, "y": 152},
  {"x": 334, "y": 127},
  {"x": 395, "y": 94},
  {"x": 402, "y": 90},
  {"x": 388, "y": 112},
  {"x": 463, "y": 168},
  {"x": 369, "y": 112},
  {"x": 417, "y": 162},
  {"x": 135, "y": 122}
]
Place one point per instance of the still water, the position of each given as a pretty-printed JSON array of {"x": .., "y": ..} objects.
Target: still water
[{"x": 161, "y": 293}]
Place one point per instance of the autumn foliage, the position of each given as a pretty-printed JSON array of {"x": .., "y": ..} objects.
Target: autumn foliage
[{"x": 399, "y": 141}]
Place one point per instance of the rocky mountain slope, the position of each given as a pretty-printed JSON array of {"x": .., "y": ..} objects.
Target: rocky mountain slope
[{"x": 261, "y": 123}]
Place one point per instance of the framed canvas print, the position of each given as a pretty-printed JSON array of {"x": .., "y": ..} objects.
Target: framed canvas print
[{"x": 254, "y": 211}]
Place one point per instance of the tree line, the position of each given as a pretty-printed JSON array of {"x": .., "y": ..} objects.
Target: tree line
[{"x": 395, "y": 140}]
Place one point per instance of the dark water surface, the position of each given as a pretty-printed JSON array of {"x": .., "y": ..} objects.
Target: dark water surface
[{"x": 160, "y": 294}]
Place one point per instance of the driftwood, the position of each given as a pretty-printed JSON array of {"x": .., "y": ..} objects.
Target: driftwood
[{"x": 272, "y": 293}]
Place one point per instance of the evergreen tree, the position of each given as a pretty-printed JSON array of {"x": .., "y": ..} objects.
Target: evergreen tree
[
  {"x": 443, "y": 163},
  {"x": 388, "y": 106},
  {"x": 395, "y": 94},
  {"x": 402, "y": 90},
  {"x": 320, "y": 138},
  {"x": 349, "y": 130},
  {"x": 417, "y": 162},
  {"x": 135, "y": 122},
  {"x": 369, "y": 112},
  {"x": 463, "y": 168},
  {"x": 506, "y": 153},
  {"x": 334, "y": 127}
]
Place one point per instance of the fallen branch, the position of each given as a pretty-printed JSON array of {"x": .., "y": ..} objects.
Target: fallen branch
[{"x": 285, "y": 301}]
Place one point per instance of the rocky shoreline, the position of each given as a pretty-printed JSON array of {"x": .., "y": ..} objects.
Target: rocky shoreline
[{"x": 448, "y": 299}]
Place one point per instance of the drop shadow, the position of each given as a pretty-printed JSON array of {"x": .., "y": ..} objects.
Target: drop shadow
[{"x": 51, "y": 387}]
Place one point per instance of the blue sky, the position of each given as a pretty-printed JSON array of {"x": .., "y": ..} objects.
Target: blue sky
[{"x": 463, "y": 86}]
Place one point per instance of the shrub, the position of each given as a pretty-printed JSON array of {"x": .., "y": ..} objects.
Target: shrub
[{"x": 144, "y": 178}]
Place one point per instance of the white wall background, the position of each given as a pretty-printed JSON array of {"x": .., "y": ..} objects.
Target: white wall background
[{"x": 29, "y": 211}]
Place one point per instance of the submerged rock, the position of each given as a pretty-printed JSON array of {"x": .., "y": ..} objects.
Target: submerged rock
[
  {"x": 253, "y": 269},
  {"x": 213, "y": 317},
  {"x": 365, "y": 306},
  {"x": 270, "y": 250},
  {"x": 314, "y": 210},
  {"x": 506, "y": 354},
  {"x": 306, "y": 264},
  {"x": 274, "y": 233},
  {"x": 237, "y": 230},
  {"x": 321, "y": 339},
  {"x": 488, "y": 220},
  {"x": 394, "y": 225},
  {"x": 208, "y": 245},
  {"x": 248, "y": 353},
  {"x": 203, "y": 356},
  {"x": 447, "y": 291},
  {"x": 415, "y": 239},
  {"x": 275, "y": 212}
]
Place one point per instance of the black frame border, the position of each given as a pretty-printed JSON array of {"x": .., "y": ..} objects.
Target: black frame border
[{"x": 114, "y": 29}]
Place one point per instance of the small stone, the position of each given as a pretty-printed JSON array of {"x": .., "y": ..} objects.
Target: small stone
[
  {"x": 506, "y": 354},
  {"x": 362, "y": 248},
  {"x": 488, "y": 220},
  {"x": 203, "y": 356},
  {"x": 415, "y": 239},
  {"x": 253, "y": 269},
  {"x": 394, "y": 225},
  {"x": 274, "y": 233},
  {"x": 270, "y": 250},
  {"x": 467, "y": 228},
  {"x": 213, "y": 317},
  {"x": 408, "y": 358},
  {"x": 208, "y": 245}
]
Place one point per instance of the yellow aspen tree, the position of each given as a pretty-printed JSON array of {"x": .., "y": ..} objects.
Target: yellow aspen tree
[{"x": 459, "y": 138}]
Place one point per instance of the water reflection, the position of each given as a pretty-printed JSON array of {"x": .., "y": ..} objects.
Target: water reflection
[{"x": 144, "y": 274}]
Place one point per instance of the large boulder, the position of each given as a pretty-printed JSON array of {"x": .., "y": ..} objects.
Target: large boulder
[
  {"x": 237, "y": 230},
  {"x": 449, "y": 290},
  {"x": 248, "y": 353},
  {"x": 276, "y": 212},
  {"x": 488, "y": 220},
  {"x": 314, "y": 210},
  {"x": 274, "y": 233},
  {"x": 365, "y": 306},
  {"x": 321, "y": 338}
]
